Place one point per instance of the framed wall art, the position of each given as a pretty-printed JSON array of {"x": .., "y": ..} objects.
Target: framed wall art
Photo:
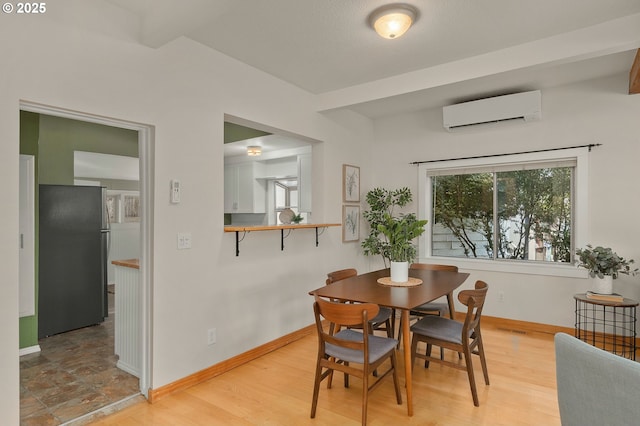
[
  {"x": 350, "y": 183},
  {"x": 350, "y": 223},
  {"x": 113, "y": 207},
  {"x": 131, "y": 210},
  {"x": 122, "y": 206}
]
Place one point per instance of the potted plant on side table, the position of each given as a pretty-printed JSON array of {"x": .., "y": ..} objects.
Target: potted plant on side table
[
  {"x": 391, "y": 235},
  {"x": 603, "y": 265}
]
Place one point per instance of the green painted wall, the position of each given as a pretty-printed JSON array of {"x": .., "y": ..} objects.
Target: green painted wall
[
  {"x": 122, "y": 185},
  {"x": 59, "y": 137},
  {"x": 235, "y": 132},
  {"x": 52, "y": 141}
]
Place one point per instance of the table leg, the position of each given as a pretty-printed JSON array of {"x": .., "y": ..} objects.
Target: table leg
[
  {"x": 452, "y": 307},
  {"x": 407, "y": 360}
]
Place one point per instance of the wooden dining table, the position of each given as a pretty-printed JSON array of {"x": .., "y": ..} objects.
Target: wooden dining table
[{"x": 366, "y": 288}]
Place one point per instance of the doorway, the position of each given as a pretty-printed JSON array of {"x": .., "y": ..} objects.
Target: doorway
[{"x": 144, "y": 143}]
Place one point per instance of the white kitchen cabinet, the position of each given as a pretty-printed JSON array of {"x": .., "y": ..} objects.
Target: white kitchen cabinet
[
  {"x": 244, "y": 192},
  {"x": 304, "y": 183}
]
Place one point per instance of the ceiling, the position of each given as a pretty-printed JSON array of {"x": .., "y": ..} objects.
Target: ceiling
[
  {"x": 276, "y": 145},
  {"x": 457, "y": 49}
]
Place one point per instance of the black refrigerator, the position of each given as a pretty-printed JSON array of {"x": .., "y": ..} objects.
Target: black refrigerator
[{"x": 73, "y": 251}]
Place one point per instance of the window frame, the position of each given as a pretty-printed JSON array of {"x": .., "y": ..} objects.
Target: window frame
[
  {"x": 580, "y": 219},
  {"x": 287, "y": 196}
]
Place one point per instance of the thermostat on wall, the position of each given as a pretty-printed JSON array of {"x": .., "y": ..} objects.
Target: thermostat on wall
[{"x": 175, "y": 191}]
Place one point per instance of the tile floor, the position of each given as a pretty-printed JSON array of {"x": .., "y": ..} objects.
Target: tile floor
[{"x": 74, "y": 374}]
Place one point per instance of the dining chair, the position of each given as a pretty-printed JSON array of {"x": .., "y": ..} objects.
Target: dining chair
[
  {"x": 462, "y": 337},
  {"x": 348, "y": 346},
  {"x": 384, "y": 320},
  {"x": 432, "y": 308}
]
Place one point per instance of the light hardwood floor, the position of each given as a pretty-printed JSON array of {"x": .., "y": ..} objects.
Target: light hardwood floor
[{"x": 276, "y": 389}]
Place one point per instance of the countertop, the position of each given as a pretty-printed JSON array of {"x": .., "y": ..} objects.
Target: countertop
[
  {"x": 249, "y": 228},
  {"x": 127, "y": 263}
]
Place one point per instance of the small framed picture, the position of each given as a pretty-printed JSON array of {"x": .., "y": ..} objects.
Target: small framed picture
[
  {"x": 113, "y": 207},
  {"x": 350, "y": 223},
  {"x": 350, "y": 183},
  {"x": 131, "y": 208}
]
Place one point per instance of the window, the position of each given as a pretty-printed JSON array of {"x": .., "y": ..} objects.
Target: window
[
  {"x": 283, "y": 195},
  {"x": 510, "y": 208},
  {"x": 286, "y": 197}
]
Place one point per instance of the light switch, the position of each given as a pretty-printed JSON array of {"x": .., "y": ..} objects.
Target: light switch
[{"x": 184, "y": 240}]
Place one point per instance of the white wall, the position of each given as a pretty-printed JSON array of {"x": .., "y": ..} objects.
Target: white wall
[
  {"x": 597, "y": 111},
  {"x": 183, "y": 90}
]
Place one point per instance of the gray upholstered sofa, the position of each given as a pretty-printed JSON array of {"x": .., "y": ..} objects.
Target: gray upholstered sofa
[{"x": 595, "y": 387}]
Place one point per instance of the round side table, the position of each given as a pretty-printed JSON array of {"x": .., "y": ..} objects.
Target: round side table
[{"x": 607, "y": 325}]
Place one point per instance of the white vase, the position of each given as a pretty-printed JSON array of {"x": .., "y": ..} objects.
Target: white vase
[
  {"x": 400, "y": 272},
  {"x": 603, "y": 285}
]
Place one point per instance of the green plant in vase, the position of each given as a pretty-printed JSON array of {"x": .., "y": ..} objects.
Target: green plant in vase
[
  {"x": 604, "y": 265},
  {"x": 601, "y": 261},
  {"x": 391, "y": 234},
  {"x": 297, "y": 218}
]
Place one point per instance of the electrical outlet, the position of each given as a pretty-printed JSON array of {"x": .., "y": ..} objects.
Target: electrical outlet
[
  {"x": 211, "y": 336},
  {"x": 501, "y": 296}
]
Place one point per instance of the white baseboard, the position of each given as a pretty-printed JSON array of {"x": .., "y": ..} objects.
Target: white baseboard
[{"x": 30, "y": 350}]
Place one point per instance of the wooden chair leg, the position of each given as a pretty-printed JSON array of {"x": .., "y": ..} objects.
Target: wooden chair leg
[
  {"x": 332, "y": 330},
  {"x": 389, "y": 328},
  {"x": 414, "y": 348},
  {"x": 316, "y": 389},
  {"x": 346, "y": 377},
  {"x": 365, "y": 397},
  {"x": 393, "y": 323},
  {"x": 483, "y": 361},
  {"x": 396, "y": 384},
  {"x": 452, "y": 313},
  {"x": 427, "y": 353},
  {"x": 472, "y": 380}
]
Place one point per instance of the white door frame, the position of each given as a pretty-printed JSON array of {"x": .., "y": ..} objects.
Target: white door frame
[
  {"x": 27, "y": 298},
  {"x": 145, "y": 153}
]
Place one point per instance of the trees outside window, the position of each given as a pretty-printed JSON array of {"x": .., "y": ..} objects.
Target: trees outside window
[{"x": 518, "y": 212}]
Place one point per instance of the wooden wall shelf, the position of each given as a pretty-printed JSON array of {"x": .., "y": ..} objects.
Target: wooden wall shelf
[{"x": 281, "y": 228}]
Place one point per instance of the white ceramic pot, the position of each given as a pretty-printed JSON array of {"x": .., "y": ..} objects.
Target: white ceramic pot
[
  {"x": 603, "y": 285},
  {"x": 400, "y": 272}
]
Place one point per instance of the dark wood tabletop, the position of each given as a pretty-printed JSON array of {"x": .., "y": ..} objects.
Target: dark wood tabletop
[{"x": 365, "y": 288}]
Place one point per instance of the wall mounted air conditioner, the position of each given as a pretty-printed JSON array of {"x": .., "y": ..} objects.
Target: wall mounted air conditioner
[{"x": 518, "y": 106}]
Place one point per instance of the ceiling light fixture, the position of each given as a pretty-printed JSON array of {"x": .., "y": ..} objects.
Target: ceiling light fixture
[
  {"x": 253, "y": 151},
  {"x": 393, "y": 20}
]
